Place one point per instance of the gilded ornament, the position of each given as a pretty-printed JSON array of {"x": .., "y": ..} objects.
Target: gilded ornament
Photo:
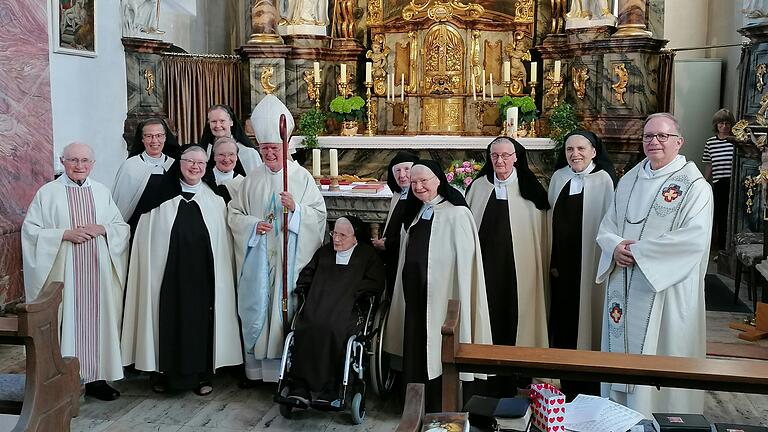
[
  {"x": 580, "y": 77},
  {"x": 759, "y": 72},
  {"x": 739, "y": 130},
  {"x": 620, "y": 87},
  {"x": 763, "y": 111},
  {"x": 266, "y": 75},
  {"x": 524, "y": 11},
  {"x": 309, "y": 78},
  {"x": 412, "y": 59},
  {"x": 378, "y": 55},
  {"x": 374, "y": 12},
  {"x": 474, "y": 62},
  {"x": 150, "y": 77},
  {"x": 443, "y": 60},
  {"x": 441, "y": 10}
]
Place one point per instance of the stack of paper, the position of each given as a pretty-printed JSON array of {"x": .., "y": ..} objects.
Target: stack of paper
[{"x": 596, "y": 414}]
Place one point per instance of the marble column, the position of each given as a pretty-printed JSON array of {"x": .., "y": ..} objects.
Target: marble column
[
  {"x": 26, "y": 149},
  {"x": 264, "y": 18},
  {"x": 632, "y": 19}
]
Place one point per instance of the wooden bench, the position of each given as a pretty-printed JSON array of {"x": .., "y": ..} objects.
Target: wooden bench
[
  {"x": 658, "y": 371},
  {"x": 413, "y": 409},
  {"x": 52, "y": 383}
]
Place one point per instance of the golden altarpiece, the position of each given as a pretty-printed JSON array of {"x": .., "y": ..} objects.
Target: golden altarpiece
[{"x": 427, "y": 57}]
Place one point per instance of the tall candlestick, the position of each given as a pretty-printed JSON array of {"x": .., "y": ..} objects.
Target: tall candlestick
[
  {"x": 402, "y": 87},
  {"x": 393, "y": 86},
  {"x": 368, "y": 71},
  {"x": 343, "y": 72},
  {"x": 474, "y": 91},
  {"x": 316, "y": 162},
  {"x": 506, "y": 74},
  {"x": 491, "y": 79},
  {"x": 533, "y": 71},
  {"x": 388, "y": 85},
  {"x": 334, "y": 155},
  {"x": 557, "y": 70},
  {"x": 317, "y": 72},
  {"x": 482, "y": 80}
]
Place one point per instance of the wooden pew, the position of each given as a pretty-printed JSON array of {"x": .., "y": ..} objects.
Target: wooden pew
[
  {"x": 659, "y": 371},
  {"x": 52, "y": 387},
  {"x": 413, "y": 409}
]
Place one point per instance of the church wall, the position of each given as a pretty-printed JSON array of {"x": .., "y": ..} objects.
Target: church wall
[
  {"x": 25, "y": 129},
  {"x": 88, "y": 99},
  {"x": 724, "y": 21}
]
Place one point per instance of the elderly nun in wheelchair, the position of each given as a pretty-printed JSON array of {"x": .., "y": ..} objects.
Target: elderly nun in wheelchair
[{"x": 340, "y": 275}]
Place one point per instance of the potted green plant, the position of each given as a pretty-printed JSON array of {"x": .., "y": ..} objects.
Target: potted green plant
[
  {"x": 348, "y": 112},
  {"x": 526, "y": 112},
  {"x": 312, "y": 124},
  {"x": 562, "y": 121}
]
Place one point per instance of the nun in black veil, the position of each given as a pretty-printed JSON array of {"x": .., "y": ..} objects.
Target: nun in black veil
[
  {"x": 440, "y": 259},
  {"x": 580, "y": 193},
  {"x": 510, "y": 208}
]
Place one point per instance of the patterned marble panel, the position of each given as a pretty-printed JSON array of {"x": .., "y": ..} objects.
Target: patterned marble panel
[
  {"x": 257, "y": 65},
  {"x": 640, "y": 97},
  {"x": 26, "y": 148},
  {"x": 139, "y": 67},
  {"x": 593, "y": 89},
  {"x": 655, "y": 17},
  {"x": 543, "y": 21}
]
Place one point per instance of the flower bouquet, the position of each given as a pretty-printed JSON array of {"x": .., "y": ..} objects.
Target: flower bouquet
[{"x": 461, "y": 173}]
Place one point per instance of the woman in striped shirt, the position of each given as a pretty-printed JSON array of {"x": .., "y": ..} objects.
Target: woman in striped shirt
[{"x": 717, "y": 158}]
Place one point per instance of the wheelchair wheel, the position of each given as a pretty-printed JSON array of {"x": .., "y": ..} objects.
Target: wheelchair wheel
[
  {"x": 286, "y": 411},
  {"x": 382, "y": 377},
  {"x": 358, "y": 408}
]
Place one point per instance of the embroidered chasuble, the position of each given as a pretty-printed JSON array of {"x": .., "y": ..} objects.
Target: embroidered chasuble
[{"x": 657, "y": 305}]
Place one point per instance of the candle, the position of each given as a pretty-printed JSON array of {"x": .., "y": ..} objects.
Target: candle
[
  {"x": 369, "y": 72},
  {"x": 491, "y": 79},
  {"x": 474, "y": 91},
  {"x": 343, "y": 73},
  {"x": 402, "y": 87},
  {"x": 557, "y": 70},
  {"x": 317, "y": 72},
  {"x": 316, "y": 162},
  {"x": 482, "y": 80},
  {"x": 392, "y": 79},
  {"x": 533, "y": 71},
  {"x": 506, "y": 75},
  {"x": 334, "y": 154},
  {"x": 512, "y": 119},
  {"x": 387, "y": 85}
]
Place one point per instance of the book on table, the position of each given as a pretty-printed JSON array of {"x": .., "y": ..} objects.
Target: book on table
[
  {"x": 672, "y": 422},
  {"x": 729, "y": 427},
  {"x": 505, "y": 414},
  {"x": 445, "y": 422},
  {"x": 370, "y": 188}
]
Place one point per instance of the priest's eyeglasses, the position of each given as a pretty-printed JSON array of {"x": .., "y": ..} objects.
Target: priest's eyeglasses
[
  {"x": 157, "y": 136},
  {"x": 662, "y": 137},
  {"x": 503, "y": 156},
  {"x": 194, "y": 162},
  {"x": 76, "y": 161}
]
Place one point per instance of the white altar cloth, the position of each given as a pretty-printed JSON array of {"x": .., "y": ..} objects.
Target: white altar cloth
[{"x": 417, "y": 142}]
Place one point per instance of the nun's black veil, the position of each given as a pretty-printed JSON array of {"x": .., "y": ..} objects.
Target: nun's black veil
[
  {"x": 170, "y": 148},
  {"x": 601, "y": 160},
  {"x": 238, "y": 133},
  {"x": 530, "y": 188},
  {"x": 448, "y": 192},
  {"x": 362, "y": 229},
  {"x": 400, "y": 157}
]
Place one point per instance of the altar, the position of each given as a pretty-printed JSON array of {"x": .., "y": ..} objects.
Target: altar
[{"x": 368, "y": 156}]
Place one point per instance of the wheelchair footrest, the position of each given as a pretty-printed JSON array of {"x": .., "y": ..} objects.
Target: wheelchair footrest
[
  {"x": 322, "y": 405},
  {"x": 289, "y": 401}
]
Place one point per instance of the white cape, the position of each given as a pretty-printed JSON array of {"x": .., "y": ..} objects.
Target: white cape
[
  {"x": 669, "y": 269},
  {"x": 48, "y": 258},
  {"x": 598, "y": 195},
  {"x": 130, "y": 182},
  {"x": 454, "y": 271},
  {"x": 148, "y": 258},
  {"x": 529, "y": 240}
]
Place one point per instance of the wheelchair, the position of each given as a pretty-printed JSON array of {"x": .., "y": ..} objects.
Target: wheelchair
[{"x": 365, "y": 363}]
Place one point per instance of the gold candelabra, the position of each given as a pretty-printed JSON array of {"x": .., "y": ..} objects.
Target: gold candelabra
[
  {"x": 533, "y": 89},
  {"x": 370, "y": 130},
  {"x": 505, "y": 85},
  {"x": 317, "y": 180},
  {"x": 554, "y": 91},
  {"x": 334, "y": 187},
  {"x": 317, "y": 95}
]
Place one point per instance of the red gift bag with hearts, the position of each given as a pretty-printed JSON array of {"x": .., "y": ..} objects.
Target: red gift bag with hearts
[{"x": 548, "y": 405}]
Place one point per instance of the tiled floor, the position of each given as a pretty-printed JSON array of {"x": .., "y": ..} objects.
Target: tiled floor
[{"x": 231, "y": 409}]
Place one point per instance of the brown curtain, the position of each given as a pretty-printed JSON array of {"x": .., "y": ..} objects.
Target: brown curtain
[
  {"x": 192, "y": 84},
  {"x": 666, "y": 79}
]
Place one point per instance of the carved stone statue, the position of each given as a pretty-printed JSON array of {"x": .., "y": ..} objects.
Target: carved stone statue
[
  {"x": 755, "y": 11},
  {"x": 589, "y": 13},
  {"x": 378, "y": 55},
  {"x": 312, "y": 12},
  {"x": 517, "y": 52},
  {"x": 140, "y": 18}
]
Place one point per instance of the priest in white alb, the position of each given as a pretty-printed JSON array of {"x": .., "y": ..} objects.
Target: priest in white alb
[
  {"x": 256, "y": 220},
  {"x": 74, "y": 232},
  {"x": 655, "y": 243}
]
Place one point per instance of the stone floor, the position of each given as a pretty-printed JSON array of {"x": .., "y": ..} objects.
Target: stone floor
[{"x": 231, "y": 409}]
